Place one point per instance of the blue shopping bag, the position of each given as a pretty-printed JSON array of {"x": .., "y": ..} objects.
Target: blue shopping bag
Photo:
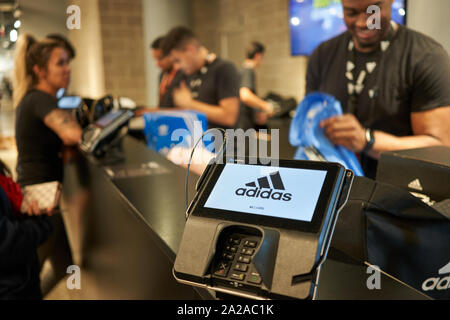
[
  {"x": 167, "y": 129},
  {"x": 306, "y": 134}
]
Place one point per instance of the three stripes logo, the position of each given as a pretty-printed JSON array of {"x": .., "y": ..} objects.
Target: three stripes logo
[{"x": 261, "y": 188}]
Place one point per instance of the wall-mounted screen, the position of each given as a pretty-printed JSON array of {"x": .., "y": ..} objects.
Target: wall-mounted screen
[{"x": 312, "y": 22}]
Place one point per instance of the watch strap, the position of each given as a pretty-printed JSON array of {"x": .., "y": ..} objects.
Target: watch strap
[{"x": 370, "y": 140}]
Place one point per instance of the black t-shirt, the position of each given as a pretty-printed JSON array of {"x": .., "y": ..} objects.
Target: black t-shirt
[
  {"x": 167, "y": 98},
  {"x": 38, "y": 146},
  {"x": 246, "y": 114},
  {"x": 248, "y": 79},
  {"x": 215, "y": 81},
  {"x": 413, "y": 75}
]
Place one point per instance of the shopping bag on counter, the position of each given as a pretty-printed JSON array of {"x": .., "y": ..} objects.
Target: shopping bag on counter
[
  {"x": 387, "y": 226},
  {"x": 168, "y": 129},
  {"x": 306, "y": 134}
]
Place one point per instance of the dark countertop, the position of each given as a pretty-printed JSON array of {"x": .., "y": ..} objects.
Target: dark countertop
[
  {"x": 158, "y": 200},
  {"x": 125, "y": 221}
]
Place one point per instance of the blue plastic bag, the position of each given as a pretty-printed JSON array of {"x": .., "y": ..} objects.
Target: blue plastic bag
[
  {"x": 167, "y": 129},
  {"x": 306, "y": 134}
]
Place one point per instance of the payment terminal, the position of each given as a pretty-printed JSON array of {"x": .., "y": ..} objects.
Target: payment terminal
[
  {"x": 103, "y": 130},
  {"x": 260, "y": 229}
]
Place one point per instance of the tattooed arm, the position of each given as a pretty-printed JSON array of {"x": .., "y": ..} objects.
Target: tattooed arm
[{"x": 65, "y": 126}]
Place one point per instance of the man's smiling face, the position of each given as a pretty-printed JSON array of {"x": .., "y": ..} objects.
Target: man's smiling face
[{"x": 356, "y": 16}]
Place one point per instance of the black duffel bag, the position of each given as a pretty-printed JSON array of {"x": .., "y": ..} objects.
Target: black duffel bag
[{"x": 386, "y": 226}]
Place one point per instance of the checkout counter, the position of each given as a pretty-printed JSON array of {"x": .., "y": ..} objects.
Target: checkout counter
[{"x": 125, "y": 222}]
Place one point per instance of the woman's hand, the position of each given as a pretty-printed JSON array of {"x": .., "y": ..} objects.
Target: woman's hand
[{"x": 33, "y": 210}]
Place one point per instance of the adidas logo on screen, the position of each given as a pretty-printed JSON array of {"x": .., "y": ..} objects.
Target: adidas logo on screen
[{"x": 268, "y": 187}]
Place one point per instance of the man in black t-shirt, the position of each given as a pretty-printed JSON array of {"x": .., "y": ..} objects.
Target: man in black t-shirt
[
  {"x": 254, "y": 110},
  {"x": 393, "y": 84},
  {"x": 170, "y": 76},
  {"x": 212, "y": 84}
]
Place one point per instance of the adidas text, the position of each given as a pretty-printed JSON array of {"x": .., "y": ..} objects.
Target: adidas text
[
  {"x": 436, "y": 284},
  {"x": 267, "y": 194}
]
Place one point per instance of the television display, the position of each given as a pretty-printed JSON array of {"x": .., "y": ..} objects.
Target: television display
[{"x": 315, "y": 21}]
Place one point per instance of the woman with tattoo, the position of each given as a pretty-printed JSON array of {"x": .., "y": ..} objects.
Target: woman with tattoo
[{"x": 41, "y": 68}]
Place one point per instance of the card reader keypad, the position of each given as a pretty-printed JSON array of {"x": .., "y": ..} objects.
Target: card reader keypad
[{"x": 234, "y": 266}]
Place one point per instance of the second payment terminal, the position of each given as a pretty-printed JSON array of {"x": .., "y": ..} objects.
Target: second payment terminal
[
  {"x": 100, "y": 133},
  {"x": 260, "y": 229}
]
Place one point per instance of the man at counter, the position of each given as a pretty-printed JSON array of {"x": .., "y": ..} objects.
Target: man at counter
[
  {"x": 254, "y": 110},
  {"x": 170, "y": 76},
  {"x": 212, "y": 84},
  {"x": 393, "y": 84}
]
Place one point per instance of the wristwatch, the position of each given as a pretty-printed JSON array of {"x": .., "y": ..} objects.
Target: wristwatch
[{"x": 370, "y": 140}]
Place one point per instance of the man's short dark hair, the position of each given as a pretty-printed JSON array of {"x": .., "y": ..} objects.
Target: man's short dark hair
[
  {"x": 64, "y": 42},
  {"x": 177, "y": 38},
  {"x": 254, "y": 48},
  {"x": 157, "y": 43}
]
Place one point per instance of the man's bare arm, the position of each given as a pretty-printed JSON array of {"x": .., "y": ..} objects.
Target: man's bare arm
[
  {"x": 65, "y": 126},
  {"x": 252, "y": 100},
  {"x": 430, "y": 128},
  {"x": 226, "y": 113}
]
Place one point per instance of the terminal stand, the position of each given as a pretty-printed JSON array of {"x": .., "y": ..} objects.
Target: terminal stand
[{"x": 112, "y": 153}]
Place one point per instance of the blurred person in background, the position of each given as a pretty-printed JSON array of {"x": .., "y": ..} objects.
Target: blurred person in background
[
  {"x": 212, "y": 84},
  {"x": 41, "y": 68},
  {"x": 20, "y": 235},
  {"x": 169, "y": 78},
  {"x": 254, "y": 111}
]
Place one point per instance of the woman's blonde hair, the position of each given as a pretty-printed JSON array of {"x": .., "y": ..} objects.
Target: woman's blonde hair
[{"x": 29, "y": 53}]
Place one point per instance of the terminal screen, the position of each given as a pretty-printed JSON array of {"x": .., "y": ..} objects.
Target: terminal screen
[
  {"x": 290, "y": 193},
  {"x": 107, "y": 119}
]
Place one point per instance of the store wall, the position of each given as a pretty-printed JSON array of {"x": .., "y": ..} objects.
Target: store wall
[
  {"x": 159, "y": 18},
  {"x": 109, "y": 44},
  {"x": 431, "y": 18},
  {"x": 227, "y": 26},
  {"x": 41, "y": 17},
  {"x": 88, "y": 77},
  {"x": 121, "y": 23}
]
